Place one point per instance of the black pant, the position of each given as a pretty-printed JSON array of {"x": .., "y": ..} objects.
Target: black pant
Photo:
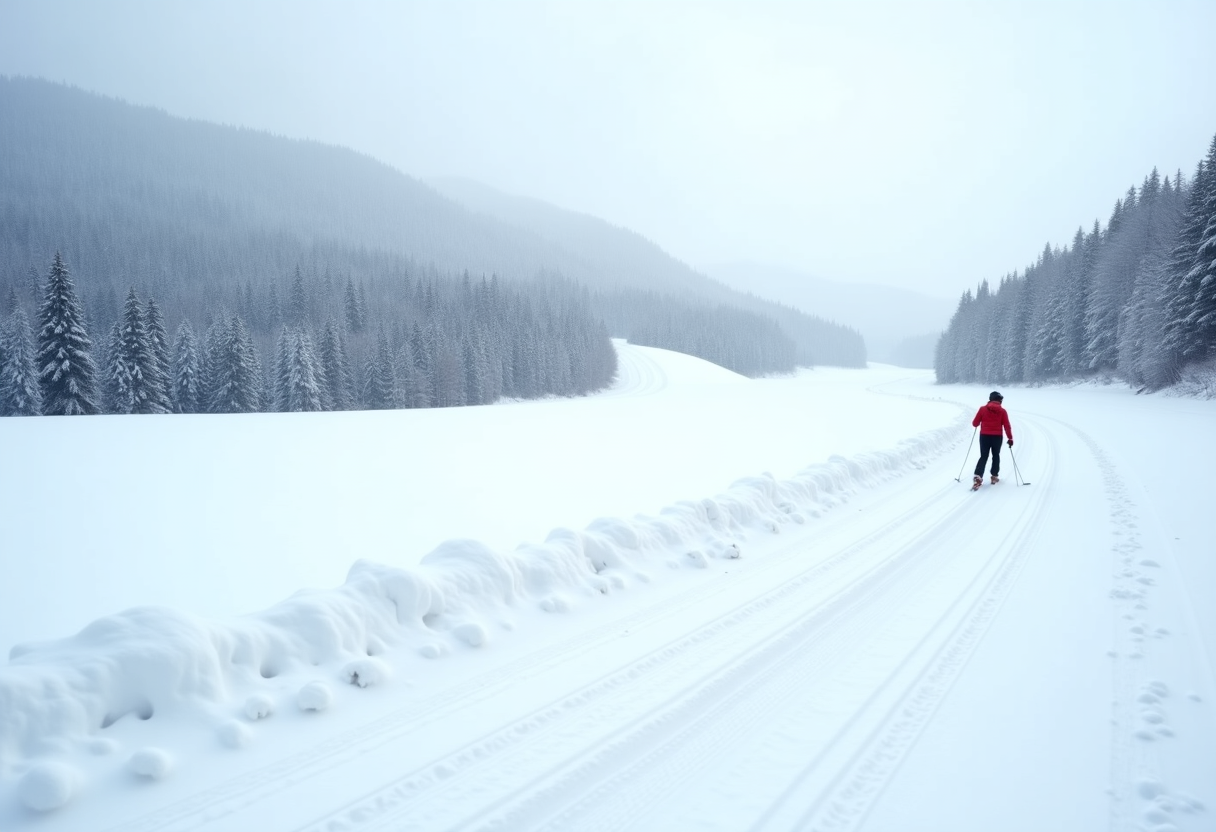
[{"x": 988, "y": 442}]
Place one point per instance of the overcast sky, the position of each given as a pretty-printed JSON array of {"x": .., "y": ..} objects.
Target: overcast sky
[{"x": 916, "y": 144}]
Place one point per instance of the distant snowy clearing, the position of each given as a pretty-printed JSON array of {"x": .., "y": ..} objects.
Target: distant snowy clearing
[{"x": 692, "y": 601}]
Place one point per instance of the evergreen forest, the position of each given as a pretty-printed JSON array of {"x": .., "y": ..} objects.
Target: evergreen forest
[
  {"x": 175, "y": 265},
  {"x": 1134, "y": 301}
]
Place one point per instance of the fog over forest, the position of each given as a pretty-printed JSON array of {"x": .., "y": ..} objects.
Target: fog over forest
[{"x": 209, "y": 269}]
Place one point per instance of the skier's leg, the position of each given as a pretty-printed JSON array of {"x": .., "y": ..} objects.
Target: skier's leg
[
  {"x": 996, "y": 457},
  {"x": 979, "y": 466}
]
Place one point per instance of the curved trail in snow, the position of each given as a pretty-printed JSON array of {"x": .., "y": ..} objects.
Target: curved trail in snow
[
  {"x": 820, "y": 688},
  {"x": 637, "y": 375}
]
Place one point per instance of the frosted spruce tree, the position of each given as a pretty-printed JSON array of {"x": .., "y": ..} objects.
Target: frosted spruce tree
[
  {"x": 159, "y": 371},
  {"x": 133, "y": 378},
  {"x": 299, "y": 387},
  {"x": 235, "y": 382},
  {"x": 64, "y": 362},
  {"x": 379, "y": 385},
  {"x": 187, "y": 390},
  {"x": 19, "y": 391},
  {"x": 335, "y": 368}
]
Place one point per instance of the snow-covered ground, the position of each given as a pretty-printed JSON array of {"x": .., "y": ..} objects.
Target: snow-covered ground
[{"x": 692, "y": 602}]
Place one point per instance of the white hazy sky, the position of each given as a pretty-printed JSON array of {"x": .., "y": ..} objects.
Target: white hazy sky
[{"x": 919, "y": 144}]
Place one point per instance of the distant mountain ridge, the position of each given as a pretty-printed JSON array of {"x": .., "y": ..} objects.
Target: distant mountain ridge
[
  {"x": 638, "y": 263},
  {"x": 900, "y": 326}
]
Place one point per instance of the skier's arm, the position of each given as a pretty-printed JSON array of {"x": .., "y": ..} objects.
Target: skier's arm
[{"x": 1008, "y": 428}]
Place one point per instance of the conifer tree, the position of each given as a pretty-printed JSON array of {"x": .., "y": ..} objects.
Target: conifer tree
[
  {"x": 159, "y": 370},
  {"x": 19, "y": 391},
  {"x": 300, "y": 389},
  {"x": 236, "y": 383},
  {"x": 187, "y": 374},
  {"x": 297, "y": 301},
  {"x": 379, "y": 384},
  {"x": 132, "y": 373},
  {"x": 64, "y": 361},
  {"x": 354, "y": 309},
  {"x": 335, "y": 368}
]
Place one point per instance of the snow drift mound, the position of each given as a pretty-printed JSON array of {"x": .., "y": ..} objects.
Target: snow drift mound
[{"x": 59, "y": 699}]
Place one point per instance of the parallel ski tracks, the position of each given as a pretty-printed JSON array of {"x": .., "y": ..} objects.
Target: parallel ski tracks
[
  {"x": 891, "y": 718},
  {"x": 653, "y": 745},
  {"x": 847, "y": 593},
  {"x": 251, "y": 787}
]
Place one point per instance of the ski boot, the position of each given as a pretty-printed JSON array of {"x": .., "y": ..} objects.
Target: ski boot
[
  {"x": 995, "y": 479},
  {"x": 975, "y": 486}
]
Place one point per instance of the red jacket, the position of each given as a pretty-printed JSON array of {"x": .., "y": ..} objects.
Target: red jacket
[{"x": 991, "y": 418}]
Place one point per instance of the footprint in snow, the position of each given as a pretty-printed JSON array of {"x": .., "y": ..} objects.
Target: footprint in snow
[
  {"x": 1158, "y": 687},
  {"x": 1149, "y": 788}
]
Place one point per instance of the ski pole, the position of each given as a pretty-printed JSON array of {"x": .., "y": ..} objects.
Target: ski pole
[
  {"x": 959, "y": 478},
  {"x": 1016, "y": 473}
]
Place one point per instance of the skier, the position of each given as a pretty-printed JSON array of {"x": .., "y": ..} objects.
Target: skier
[{"x": 991, "y": 419}]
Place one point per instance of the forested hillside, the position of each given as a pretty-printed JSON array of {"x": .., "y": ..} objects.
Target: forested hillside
[
  {"x": 220, "y": 229},
  {"x": 656, "y": 300},
  {"x": 1135, "y": 300}
]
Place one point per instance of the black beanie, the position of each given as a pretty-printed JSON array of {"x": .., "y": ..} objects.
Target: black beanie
[{"x": 995, "y": 397}]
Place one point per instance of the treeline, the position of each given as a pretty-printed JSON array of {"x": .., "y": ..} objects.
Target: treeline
[
  {"x": 205, "y": 218},
  {"x": 749, "y": 342},
  {"x": 1136, "y": 300},
  {"x": 447, "y": 343}
]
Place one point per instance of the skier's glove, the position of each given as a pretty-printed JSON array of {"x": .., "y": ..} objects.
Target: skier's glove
[{"x": 1011, "y": 443}]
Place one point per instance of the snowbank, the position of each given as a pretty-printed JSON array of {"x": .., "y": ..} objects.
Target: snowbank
[{"x": 59, "y": 699}]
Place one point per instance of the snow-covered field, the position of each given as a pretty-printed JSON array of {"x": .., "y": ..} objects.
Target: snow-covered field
[{"x": 693, "y": 602}]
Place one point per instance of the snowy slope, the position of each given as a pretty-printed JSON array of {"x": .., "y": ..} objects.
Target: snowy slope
[{"x": 638, "y": 640}]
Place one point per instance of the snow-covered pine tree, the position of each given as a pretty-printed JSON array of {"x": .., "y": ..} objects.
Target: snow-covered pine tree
[
  {"x": 187, "y": 375},
  {"x": 1078, "y": 279},
  {"x": 422, "y": 389},
  {"x": 66, "y": 373},
  {"x": 352, "y": 309},
  {"x": 132, "y": 371},
  {"x": 20, "y": 394},
  {"x": 303, "y": 391},
  {"x": 335, "y": 368},
  {"x": 280, "y": 373},
  {"x": 273, "y": 314},
  {"x": 297, "y": 301},
  {"x": 236, "y": 386},
  {"x": 1045, "y": 350},
  {"x": 108, "y": 348},
  {"x": 159, "y": 370},
  {"x": 379, "y": 384}
]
